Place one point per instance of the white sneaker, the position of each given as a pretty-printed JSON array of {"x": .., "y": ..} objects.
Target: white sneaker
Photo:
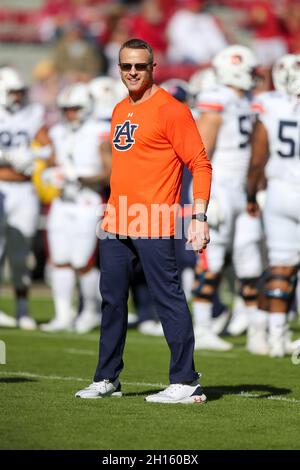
[
  {"x": 56, "y": 325},
  {"x": 151, "y": 328},
  {"x": 238, "y": 323},
  {"x": 27, "y": 323},
  {"x": 218, "y": 323},
  {"x": 179, "y": 393},
  {"x": 6, "y": 321},
  {"x": 87, "y": 321},
  {"x": 257, "y": 342},
  {"x": 101, "y": 389},
  {"x": 206, "y": 339}
]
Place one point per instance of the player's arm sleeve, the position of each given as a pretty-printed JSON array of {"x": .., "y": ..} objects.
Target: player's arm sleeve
[{"x": 181, "y": 131}]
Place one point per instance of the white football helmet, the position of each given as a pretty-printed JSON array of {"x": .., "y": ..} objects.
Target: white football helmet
[
  {"x": 76, "y": 96},
  {"x": 235, "y": 65},
  {"x": 280, "y": 72},
  {"x": 3, "y": 95},
  {"x": 293, "y": 79},
  {"x": 178, "y": 88},
  {"x": 12, "y": 82},
  {"x": 104, "y": 92},
  {"x": 203, "y": 80},
  {"x": 121, "y": 89}
]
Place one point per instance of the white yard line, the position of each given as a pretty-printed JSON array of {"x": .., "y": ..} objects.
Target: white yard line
[
  {"x": 93, "y": 339},
  {"x": 75, "y": 379},
  {"x": 145, "y": 384},
  {"x": 83, "y": 352}
]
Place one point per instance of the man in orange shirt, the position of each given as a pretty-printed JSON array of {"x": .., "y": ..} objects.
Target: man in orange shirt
[{"x": 153, "y": 136}]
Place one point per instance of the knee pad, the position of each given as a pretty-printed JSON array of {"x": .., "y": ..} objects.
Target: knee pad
[
  {"x": 202, "y": 281},
  {"x": 18, "y": 253},
  {"x": 279, "y": 292},
  {"x": 251, "y": 282}
]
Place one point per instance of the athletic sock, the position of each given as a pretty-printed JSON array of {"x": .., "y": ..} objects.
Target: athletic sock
[
  {"x": 22, "y": 309},
  {"x": 202, "y": 314},
  {"x": 256, "y": 315},
  {"x": 63, "y": 283},
  {"x": 277, "y": 323},
  {"x": 89, "y": 288},
  {"x": 187, "y": 278}
]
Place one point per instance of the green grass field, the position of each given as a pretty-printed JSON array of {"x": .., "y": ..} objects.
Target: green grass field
[{"x": 254, "y": 402}]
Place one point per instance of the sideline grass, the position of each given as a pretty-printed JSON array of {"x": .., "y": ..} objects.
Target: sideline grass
[{"x": 254, "y": 402}]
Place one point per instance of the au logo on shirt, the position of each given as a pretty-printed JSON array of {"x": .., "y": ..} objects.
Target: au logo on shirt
[{"x": 124, "y": 135}]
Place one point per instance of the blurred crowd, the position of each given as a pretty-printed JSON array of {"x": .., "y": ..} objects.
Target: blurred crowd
[
  {"x": 85, "y": 36},
  {"x": 187, "y": 36}
]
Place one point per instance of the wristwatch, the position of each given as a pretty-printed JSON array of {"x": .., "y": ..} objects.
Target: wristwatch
[{"x": 200, "y": 216}]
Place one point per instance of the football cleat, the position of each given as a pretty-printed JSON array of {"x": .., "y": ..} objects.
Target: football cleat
[
  {"x": 257, "y": 342},
  {"x": 150, "y": 328},
  {"x": 6, "y": 321},
  {"x": 276, "y": 347},
  {"x": 206, "y": 339},
  {"x": 132, "y": 319},
  {"x": 102, "y": 389},
  {"x": 56, "y": 325},
  {"x": 86, "y": 322},
  {"x": 218, "y": 323},
  {"x": 239, "y": 320},
  {"x": 27, "y": 323}
]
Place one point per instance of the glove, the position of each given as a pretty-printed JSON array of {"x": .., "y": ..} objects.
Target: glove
[
  {"x": 21, "y": 159},
  {"x": 70, "y": 171},
  {"x": 54, "y": 176},
  {"x": 3, "y": 158},
  {"x": 261, "y": 198}
]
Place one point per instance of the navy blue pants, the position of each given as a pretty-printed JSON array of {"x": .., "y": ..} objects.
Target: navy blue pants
[{"x": 157, "y": 256}]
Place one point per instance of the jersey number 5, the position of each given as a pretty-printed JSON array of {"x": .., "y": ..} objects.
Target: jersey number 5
[
  {"x": 245, "y": 130},
  {"x": 285, "y": 128}
]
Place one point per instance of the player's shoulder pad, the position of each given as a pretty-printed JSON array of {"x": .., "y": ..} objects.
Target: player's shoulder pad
[
  {"x": 99, "y": 127},
  {"x": 266, "y": 101},
  {"x": 36, "y": 110},
  {"x": 214, "y": 99},
  {"x": 56, "y": 130}
]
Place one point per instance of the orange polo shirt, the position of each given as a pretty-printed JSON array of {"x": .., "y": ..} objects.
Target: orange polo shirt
[{"x": 151, "y": 142}]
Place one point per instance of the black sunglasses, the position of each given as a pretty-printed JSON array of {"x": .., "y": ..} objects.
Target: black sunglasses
[
  {"x": 71, "y": 108},
  {"x": 138, "y": 67}
]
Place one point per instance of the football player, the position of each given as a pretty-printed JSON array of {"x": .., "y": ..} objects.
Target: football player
[
  {"x": 276, "y": 151},
  {"x": 225, "y": 124},
  {"x": 80, "y": 167},
  {"x": 105, "y": 95},
  {"x": 19, "y": 122}
]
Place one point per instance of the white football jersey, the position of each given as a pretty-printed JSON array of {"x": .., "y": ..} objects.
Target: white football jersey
[
  {"x": 19, "y": 129},
  {"x": 231, "y": 155},
  {"x": 80, "y": 148},
  {"x": 280, "y": 115}
]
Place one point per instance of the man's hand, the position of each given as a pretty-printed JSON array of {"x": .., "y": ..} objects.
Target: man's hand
[
  {"x": 21, "y": 159},
  {"x": 54, "y": 176},
  {"x": 253, "y": 209},
  {"x": 198, "y": 235}
]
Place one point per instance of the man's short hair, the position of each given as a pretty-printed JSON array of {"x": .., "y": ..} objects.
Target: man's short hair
[{"x": 136, "y": 43}]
